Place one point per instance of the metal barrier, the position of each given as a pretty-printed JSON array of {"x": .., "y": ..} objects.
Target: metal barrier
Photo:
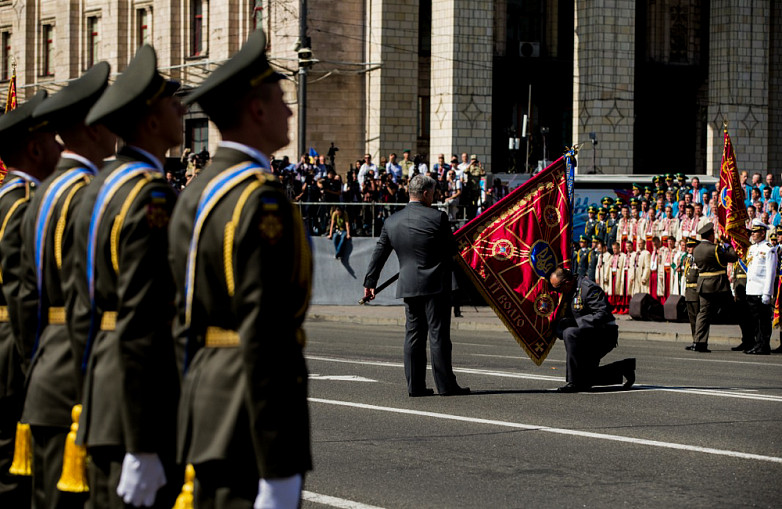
[{"x": 366, "y": 219}]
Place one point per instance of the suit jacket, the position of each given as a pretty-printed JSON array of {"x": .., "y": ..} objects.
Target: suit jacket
[
  {"x": 54, "y": 375},
  {"x": 255, "y": 281},
  {"x": 14, "y": 354},
  {"x": 712, "y": 261},
  {"x": 423, "y": 242},
  {"x": 131, "y": 382}
]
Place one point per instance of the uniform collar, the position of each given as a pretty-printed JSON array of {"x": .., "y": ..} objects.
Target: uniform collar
[
  {"x": 83, "y": 160},
  {"x": 250, "y": 151},
  {"x": 25, "y": 176},
  {"x": 152, "y": 159}
]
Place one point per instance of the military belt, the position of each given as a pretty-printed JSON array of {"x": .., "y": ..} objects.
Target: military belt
[
  {"x": 4, "y": 314},
  {"x": 741, "y": 276},
  {"x": 713, "y": 274},
  {"x": 691, "y": 285},
  {"x": 217, "y": 337},
  {"x": 108, "y": 321},
  {"x": 56, "y": 316}
]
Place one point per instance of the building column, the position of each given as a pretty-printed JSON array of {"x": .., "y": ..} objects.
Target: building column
[
  {"x": 391, "y": 90},
  {"x": 739, "y": 84},
  {"x": 461, "y": 83},
  {"x": 604, "y": 84}
]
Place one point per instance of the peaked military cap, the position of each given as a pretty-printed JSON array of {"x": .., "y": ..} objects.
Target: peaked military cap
[
  {"x": 636, "y": 186},
  {"x": 134, "y": 90},
  {"x": 595, "y": 237},
  {"x": 592, "y": 208},
  {"x": 691, "y": 242},
  {"x": 773, "y": 236},
  {"x": 706, "y": 229},
  {"x": 779, "y": 229},
  {"x": 669, "y": 176},
  {"x": 758, "y": 226},
  {"x": 18, "y": 123},
  {"x": 613, "y": 208},
  {"x": 655, "y": 179},
  {"x": 583, "y": 238},
  {"x": 602, "y": 210},
  {"x": 680, "y": 176},
  {"x": 245, "y": 70},
  {"x": 70, "y": 105}
]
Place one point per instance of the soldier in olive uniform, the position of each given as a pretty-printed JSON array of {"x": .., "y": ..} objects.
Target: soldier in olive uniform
[
  {"x": 691, "y": 284},
  {"x": 582, "y": 257},
  {"x": 594, "y": 254},
  {"x": 30, "y": 155},
  {"x": 124, "y": 295},
  {"x": 242, "y": 267},
  {"x": 591, "y": 223},
  {"x": 611, "y": 229},
  {"x": 52, "y": 381},
  {"x": 600, "y": 229},
  {"x": 713, "y": 284}
]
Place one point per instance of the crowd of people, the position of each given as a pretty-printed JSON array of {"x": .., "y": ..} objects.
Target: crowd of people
[{"x": 645, "y": 244}]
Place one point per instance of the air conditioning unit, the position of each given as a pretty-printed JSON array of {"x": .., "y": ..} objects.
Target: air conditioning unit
[{"x": 529, "y": 49}]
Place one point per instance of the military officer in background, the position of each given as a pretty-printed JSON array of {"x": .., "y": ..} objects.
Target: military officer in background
[
  {"x": 611, "y": 229},
  {"x": 52, "y": 381},
  {"x": 594, "y": 255},
  {"x": 582, "y": 256},
  {"x": 123, "y": 303},
  {"x": 242, "y": 269},
  {"x": 30, "y": 155},
  {"x": 713, "y": 285},
  {"x": 761, "y": 273},
  {"x": 691, "y": 285},
  {"x": 590, "y": 227},
  {"x": 600, "y": 229}
]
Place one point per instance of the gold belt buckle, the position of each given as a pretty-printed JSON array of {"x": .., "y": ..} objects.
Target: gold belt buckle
[
  {"x": 56, "y": 316},
  {"x": 217, "y": 337},
  {"x": 108, "y": 321}
]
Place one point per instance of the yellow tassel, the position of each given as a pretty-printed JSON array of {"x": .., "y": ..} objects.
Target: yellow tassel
[
  {"x": 185, "y": 498},
  {"x": 74, "y": 462},
  {"x": 23, "y": 451}
]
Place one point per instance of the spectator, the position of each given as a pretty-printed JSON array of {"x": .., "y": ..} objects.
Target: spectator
[
  {"x": 393, "y": 168},
  {"x": 406, "y": 164},
  {"x": 339, "y": 231},
  {"x": 453, "y": 194},
  {"x": 440, "y": 168},
  {"x": 367, "y": 167}
]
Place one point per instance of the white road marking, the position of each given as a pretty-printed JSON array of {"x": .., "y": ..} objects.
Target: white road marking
[
  {"x": 726, "y": 361},
  {"x": 342, "y": 378},
  {"x": 335, "y": 502},
  {"x": 559, "y": 379},
  {"x": 559, "y": 431},
  {"x": 510, "y": 357}
]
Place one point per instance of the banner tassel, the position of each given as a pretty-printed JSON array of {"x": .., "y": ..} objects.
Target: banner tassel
[
  {"x": 23, "y": 451},
  {"x": 74, "y": 462},
  {"x": 185, "y": 498}
]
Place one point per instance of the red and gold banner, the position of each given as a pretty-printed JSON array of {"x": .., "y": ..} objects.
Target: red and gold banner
[
  {"x": 10, "y": 104},
  {"x": 510, "y": 250},
  {"x": 731, "y": 211}
]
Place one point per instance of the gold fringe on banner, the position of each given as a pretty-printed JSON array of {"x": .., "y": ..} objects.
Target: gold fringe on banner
[
  {"x": 23, "y": 451},
  {"x": 185, "y": 498},
  {"x": 74, "y": 462}
]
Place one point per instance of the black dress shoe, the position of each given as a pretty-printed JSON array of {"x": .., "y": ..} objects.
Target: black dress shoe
[
  {"x": 701, "y": 347},
  {"x": 691, "y": 347},
  {"x": 629, "y": 373},
  {"x": 759, "y": 351},
  {"x": 420, "y": 394},
  {"x": 743, "y": 347},
  {"x": 571, "y": 387},
  {"x": 456, "y": 391},
  {"x": 751, "y": 350}
]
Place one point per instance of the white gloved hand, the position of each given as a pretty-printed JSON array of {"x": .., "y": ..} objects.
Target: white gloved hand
[
  {"x": 279, "y": 493},
  {"x": 766, "y": 300},
  {"x": 142, "y": 475}
]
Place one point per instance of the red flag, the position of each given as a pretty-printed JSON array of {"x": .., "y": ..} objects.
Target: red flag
[
  {"x": 10, "y": 103},
  {"x": 731, "y": 211},
  {"x": 510, "y": 250}
]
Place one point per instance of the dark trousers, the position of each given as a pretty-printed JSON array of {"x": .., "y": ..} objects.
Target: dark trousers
[
  {"x": 225, "y": 484},
  {"x": 105, "y": 470},
  {"x": 585, "y": 347},
  {"x": 762, "y": 314},
  {"x": 14, "y": 489},
  {"x": 48, "y": 449},
  {"x": 709, "y": 303},
  {"x": 693, "y": 306},
  {"x": 744, "y": 315},
  {"x": 428, "y": 315}
]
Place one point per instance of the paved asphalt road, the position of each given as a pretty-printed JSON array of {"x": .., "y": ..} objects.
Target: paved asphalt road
[{"x": 698, "y": 430}]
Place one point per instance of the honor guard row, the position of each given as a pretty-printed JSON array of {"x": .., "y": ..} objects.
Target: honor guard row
[{"x": 136, "y": 335}]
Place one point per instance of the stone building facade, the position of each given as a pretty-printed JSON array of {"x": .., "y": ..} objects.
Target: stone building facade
[{"x": 651, "y": 81}]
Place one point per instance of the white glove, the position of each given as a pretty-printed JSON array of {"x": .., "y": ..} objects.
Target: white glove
[
  {"x": 142, "y": 475},
  {"x": 279, "y": 493},
  {"x": 766, "y": 299}
]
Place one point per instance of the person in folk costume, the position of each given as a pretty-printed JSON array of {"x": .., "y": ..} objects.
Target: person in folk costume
[
  {"x": 626, "y": 230},
  {"x": 616, "y": 278},
  {"x": 643, "y": 270},
  {"x": 603, "y": 274},
  {"x": 680, "y": 259},
  {"x": 702, "y": 220},
  {"x": 669, "y": 265},
  {"x": 630, "y": 276},
  {"x": 689, "y": 223},
  {"x": 658, "y": 275},
  {"x": 646, "y": 228},
  {"x": 668, "y": 225}
]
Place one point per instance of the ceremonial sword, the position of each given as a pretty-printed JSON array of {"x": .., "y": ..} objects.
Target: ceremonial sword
[{"x": 380, "y": 288}]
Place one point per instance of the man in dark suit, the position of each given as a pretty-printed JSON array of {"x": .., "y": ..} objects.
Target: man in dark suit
[
  {"x": 52, "y": 384},
  {"x": 242, "y": 268},
  {"x": 713, "y": 284},
  {"x": 121, "y": 307},
  {"x": 588, "y": 328},
  {"x": 423, "y": 242}
]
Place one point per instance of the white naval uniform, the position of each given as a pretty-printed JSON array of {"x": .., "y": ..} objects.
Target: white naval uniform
[{"x": 761, "y": 269}]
